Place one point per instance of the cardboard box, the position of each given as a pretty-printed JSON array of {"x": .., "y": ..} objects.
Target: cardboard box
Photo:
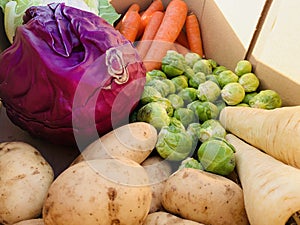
[{"x": 231, "y": 30}]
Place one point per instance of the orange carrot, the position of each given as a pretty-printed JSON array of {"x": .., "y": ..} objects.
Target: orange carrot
[
  {"x": 149, "y": 33},
  {"x": 193, "y": 34},
  {"x": 156, "y": 5},
  {"x": 132, "y": 7},
  {"x": 182, "y": 39},
  {"x": 167, "y": 33}
]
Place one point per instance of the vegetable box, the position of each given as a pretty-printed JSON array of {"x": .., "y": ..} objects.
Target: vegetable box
[{"x": 264, "y": 32}]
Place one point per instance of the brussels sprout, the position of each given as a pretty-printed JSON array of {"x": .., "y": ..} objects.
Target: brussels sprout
[
  {"x": 243, "y": 67},
  {"x": 188, "y": 72},
  {"x": 204, "y": 110},
  {"x": 173, "y": 63},
  {"x": 233, "y": 93},
  {"x": 193, "y": 130},
  {"x": 173, "y": 142},
  {"x": 185, "y": 116},
  {"x": 266, "y": 99},
  {"x": 196, "y": 79},
  {"x": 156, "y": 74},
  {"x": 208, "y": 91},
  {"x": 155, "y": 114},
  {"x": 219, "y": 69},
  {"x": 160, "y": 86},
  {"x": 191, "y": 163},
  {"x": 211, "y": 128},
  {"x": 180, "y": 82},
  {"x": 149, "y": 95},
  {"x": 220, "y": 104},
  {"x": 176, "y": 101},
  {"x": 213, "y": 78},
  {"x": 243, "y": 105},
  {"x": 203, "y": 66},
  {"x": 216, "y": 155},
  {"x": 248, "y": 96},
  {"x": 227, "y": 77},
  {"x": 166, "y": 103},
  {"x": 213, "y": 63},
  {"x": 191, "y": 58},
  {"x": 148, "y": 78},
  {"x": 249, "y": 81},
  {"x": 172, "y": 88},
  {"x": 188, "y": 94}
]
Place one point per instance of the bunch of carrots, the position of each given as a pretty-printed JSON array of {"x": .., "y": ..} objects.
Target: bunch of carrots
[{"x": 157, "y": 29}]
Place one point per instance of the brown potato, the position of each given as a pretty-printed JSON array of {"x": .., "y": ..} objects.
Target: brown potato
[
  {"x": 101, "y": 191},
  {"x": 31, "y": 222},
  {"x": 204, "y": 197}
]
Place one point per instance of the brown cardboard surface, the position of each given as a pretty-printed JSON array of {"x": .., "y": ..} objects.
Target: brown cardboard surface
[{"x": 277, "y": 51}]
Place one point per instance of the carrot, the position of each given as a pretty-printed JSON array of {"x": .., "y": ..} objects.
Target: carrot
[
  {"x": 133, "y": 7},
  {"x": 130, "y": 25},
  {"x": 193, "y": 34},
  {"x": 149, "y": 33},
  {"x": 156, "y": 5},
  {"x": 270, "y": 187},
  {"x": 276, "y": 132},
  {"x": 173, "y": 22},
  {"x": 182, "y": 39}
]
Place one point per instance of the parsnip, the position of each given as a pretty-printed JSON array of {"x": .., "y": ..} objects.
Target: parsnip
[
  {"x": 276, "y": 132},
  {"x": 271, "y": 188},
  {"x": 165, "y": 218},
  {"x": 134, "y": 141}
]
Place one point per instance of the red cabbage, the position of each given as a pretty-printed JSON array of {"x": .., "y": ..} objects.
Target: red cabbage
[{"x": 69, "y": 75}]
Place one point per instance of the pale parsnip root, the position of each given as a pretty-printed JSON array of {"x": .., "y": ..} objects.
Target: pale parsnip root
[
  {"x": 271, "y": 188},
  {"x": 164, "y": 218},
  {"x": 276, "y": 132},
  {"x": 134, "y": 141}
]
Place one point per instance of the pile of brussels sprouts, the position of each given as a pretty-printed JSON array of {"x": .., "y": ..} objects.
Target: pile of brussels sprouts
[{"x": 183, "y": 101}]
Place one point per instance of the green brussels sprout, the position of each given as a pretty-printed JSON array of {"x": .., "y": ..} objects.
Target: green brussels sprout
[
  {"x": 219, "y": 69},
  {"x": 243, "y": 105},
  {"x": 227, "y": 77},
  {"x": 160, "y": 86},
  {"x": 191, "y": 58},
  {"x": 233, "y": 93},
  {"x": 185, "y": 116},
  {"x": 204, "y": 110},
  {"x": 188, "y": 94},
  {"x": 193, "y": 130},
  {"x": 155, "y": 114},
  {"x": 266, "y": 99},
  {"x": 213, "y": 78},
  {"x": 188, "y": 72},
  {"x": 166, "y": 103},
  {"x": 180, "y": 82},
  {"x": 211, "y": 128},
  {"x": 220, "y": 104},
  {"x": 172, "y": 88},
  {"x": 203, "y": 66},
  {"x": 191, "y": 163},
  {"x": 196, "y": 79},
  {"x": 156, "y": 74},
  {"x": 149, "y": 95},
  {"x": 173, "y": 142},
  {"x": 213, "y": 63},
  {"x": 208, "y": 91},
  {"x": 173, "y": 64},
  {"x": 216, "y": 155},
  {"x": 248, "y": 96},
  {"x": 243, "y": 67},
  {"x": 176, "y": 101},
  {"x": 148, "y": 78},
  {"x": 249, "y": 81}
]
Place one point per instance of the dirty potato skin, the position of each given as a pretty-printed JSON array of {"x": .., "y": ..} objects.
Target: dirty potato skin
[
  {"x": 158, "y": 171},
  {"x": 204, "y": 197},
  {"x": 25, "y": 177},
  {"x": 102, "y": 191},
  {"x": 165, "y": 218}
]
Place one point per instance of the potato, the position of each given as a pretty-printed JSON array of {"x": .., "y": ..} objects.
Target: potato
[
  {"x": 133, "y": 141},
  {"x": 164, "y": 218},
  {"x": 25, "y": 177},
  {"x": 204, "y": 197},
  {"x": 158, "y": 171},
  {"x": 31, "y": 222},
  {"x": 100, "y": 191}
]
